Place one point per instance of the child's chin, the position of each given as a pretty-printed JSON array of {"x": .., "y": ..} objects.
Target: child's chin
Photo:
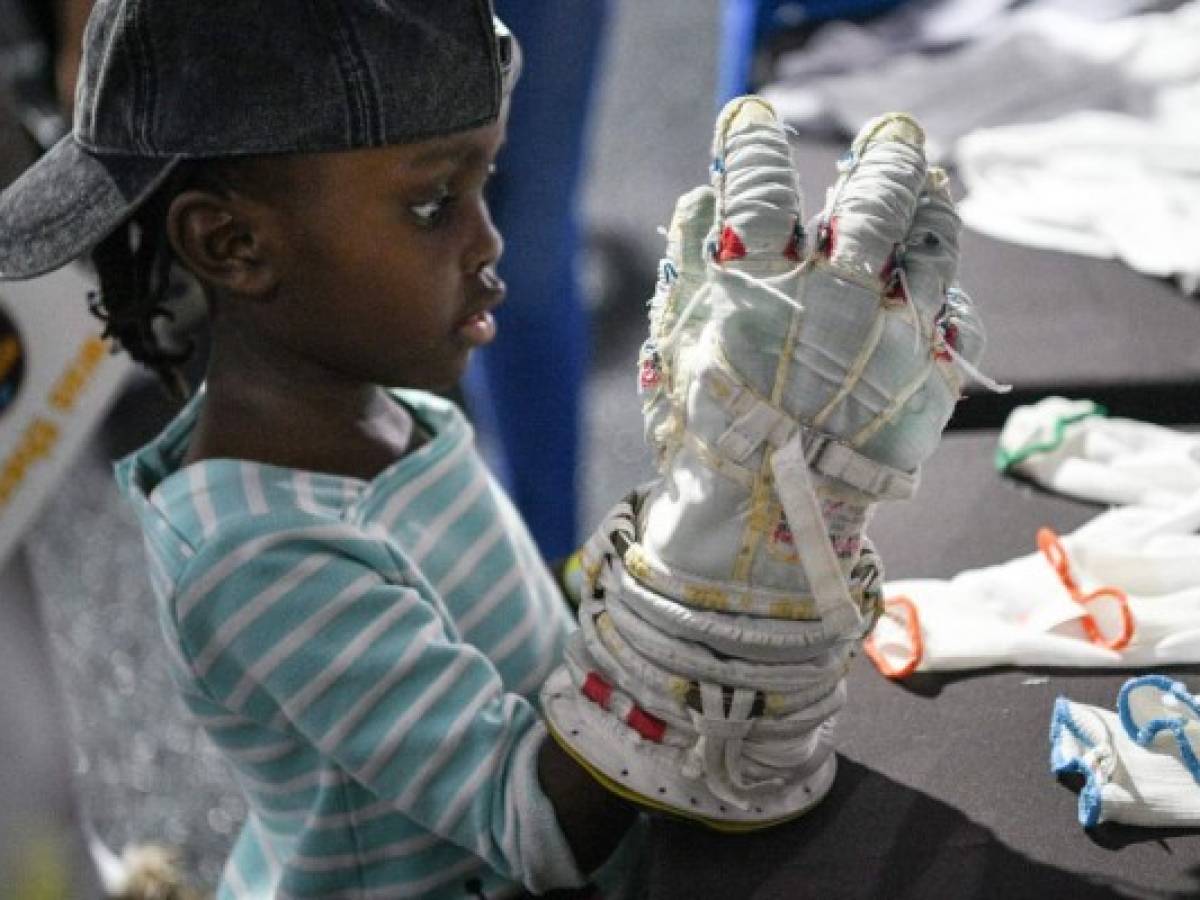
[{"x": 438, "y": 377}]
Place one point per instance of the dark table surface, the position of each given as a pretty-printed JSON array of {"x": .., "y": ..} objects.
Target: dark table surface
[{"x": 944, "y": 788}]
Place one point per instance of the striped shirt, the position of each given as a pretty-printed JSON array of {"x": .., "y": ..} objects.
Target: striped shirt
[{"x": 367, "y": 655}]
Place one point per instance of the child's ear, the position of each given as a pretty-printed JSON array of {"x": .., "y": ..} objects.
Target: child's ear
[{"x": 225, "y": 241}]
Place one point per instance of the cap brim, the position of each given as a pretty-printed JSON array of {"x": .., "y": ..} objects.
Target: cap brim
[{"x": 67, "y": 202}]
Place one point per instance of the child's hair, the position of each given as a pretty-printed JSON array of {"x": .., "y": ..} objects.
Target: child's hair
[
  {"x": 133, "y": 265},
  {"x": 137, "y": 271}
]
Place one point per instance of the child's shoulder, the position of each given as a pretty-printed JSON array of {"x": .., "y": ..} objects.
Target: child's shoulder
[{"x": 215, "y": 505}]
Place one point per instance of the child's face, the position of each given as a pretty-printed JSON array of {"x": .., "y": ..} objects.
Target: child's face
[{"x": 387, "y": 261}]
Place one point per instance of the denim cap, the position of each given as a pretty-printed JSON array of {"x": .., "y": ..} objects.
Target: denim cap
[{"x": 167, "y": 80}]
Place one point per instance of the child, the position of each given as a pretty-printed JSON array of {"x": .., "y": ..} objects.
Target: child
[{"x": 355, "y": 613}]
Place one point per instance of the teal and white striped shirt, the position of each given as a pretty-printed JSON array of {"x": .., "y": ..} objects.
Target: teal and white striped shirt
[{"x": 367, "y": 656}]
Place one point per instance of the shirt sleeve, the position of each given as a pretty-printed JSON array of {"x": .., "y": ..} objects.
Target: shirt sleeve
[{"x": 310, "y": 629}]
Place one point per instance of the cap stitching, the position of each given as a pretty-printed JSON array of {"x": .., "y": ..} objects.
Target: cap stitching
[
  {"x": 361, "y": 76},
  {"x": 143, "y": 63},
  {"x": 348, "y": 66}
]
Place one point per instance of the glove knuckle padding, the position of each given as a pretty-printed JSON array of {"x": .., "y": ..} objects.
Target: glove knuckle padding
[{"x": 785, "y": 395}]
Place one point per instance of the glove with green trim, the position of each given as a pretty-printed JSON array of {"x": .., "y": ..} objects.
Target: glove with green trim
[{"x": 1072, "y": 447}]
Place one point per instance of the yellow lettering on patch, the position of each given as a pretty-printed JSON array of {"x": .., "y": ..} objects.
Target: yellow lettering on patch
[
  {"x": 36, "y": 443},
  {"x": 71, "y": 383}
]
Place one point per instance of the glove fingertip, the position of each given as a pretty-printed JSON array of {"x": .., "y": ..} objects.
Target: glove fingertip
[
  {"x": 690, "y": 223},
  {"x": 891, "y": 126}
]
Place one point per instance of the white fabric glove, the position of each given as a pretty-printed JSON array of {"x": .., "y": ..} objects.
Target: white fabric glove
[
  {"x": 1123, "y": 590},
  {"x": 786, "y": 391},
  {"x": 856, "y": 357},
  {"x": 1139, "y": 764},
  {"x": 1071, "y": 447}
]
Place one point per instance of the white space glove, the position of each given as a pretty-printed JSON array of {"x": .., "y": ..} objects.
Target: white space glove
[
  {"x": 787, "y": 389},
  {"x": 858, "y": 354},
  {"x": 1072, "y": 447},
  {"x": 1123, "y": 590},
  {"x": 1139, "y": 764}
]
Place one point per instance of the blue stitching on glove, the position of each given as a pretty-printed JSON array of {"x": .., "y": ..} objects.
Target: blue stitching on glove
[
  {"x": 1176, "y": 725},
  {"x": 1090, "y": 803}
]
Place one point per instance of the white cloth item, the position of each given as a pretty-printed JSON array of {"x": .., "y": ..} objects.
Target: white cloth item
[
  {"x": 1033, "y": 66},
  {"x": 1024, "y": 612},
  {"x": 923, "y": 25},
  {"x": 845, "y": 46},
  {"x": 1071, "y": 447},
  {"x": 1103, "y": 184},
  {"x": 1125, "y": 780}
]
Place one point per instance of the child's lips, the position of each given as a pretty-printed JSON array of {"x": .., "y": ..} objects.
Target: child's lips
[{"x": 478, "y": 329}]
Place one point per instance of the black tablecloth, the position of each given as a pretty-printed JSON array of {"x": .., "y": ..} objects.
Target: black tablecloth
[{"x": 944, "y": 787}]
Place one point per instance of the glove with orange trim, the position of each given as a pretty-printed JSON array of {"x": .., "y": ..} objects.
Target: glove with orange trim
[{"x": 1123, "y": 590}]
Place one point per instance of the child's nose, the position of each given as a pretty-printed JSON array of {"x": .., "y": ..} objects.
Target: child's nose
[{"x": 487, "y": 243}]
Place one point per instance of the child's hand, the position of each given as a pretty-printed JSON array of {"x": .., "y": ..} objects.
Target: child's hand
[{"x": 789, "y": 385}]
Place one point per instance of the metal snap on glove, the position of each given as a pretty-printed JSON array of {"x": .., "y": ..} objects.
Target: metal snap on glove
[{"x": 792, "y": 378}]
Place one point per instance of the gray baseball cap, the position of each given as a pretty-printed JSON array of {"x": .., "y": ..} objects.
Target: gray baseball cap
[{"x": 168, "y": 80}]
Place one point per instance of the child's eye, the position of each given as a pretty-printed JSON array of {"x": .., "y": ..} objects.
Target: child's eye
[{"x": 431, "y": 212}]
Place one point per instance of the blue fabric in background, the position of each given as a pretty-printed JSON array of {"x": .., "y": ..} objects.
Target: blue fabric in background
[{"x": 524, "y": 391}]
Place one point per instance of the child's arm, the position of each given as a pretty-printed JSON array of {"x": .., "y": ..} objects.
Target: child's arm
[
  {"x": 311, "y": 631},
  {"x": 592, "y": 818}
]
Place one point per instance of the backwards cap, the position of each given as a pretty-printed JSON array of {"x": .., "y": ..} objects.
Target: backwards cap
[{"x": 167, "y": 80}]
